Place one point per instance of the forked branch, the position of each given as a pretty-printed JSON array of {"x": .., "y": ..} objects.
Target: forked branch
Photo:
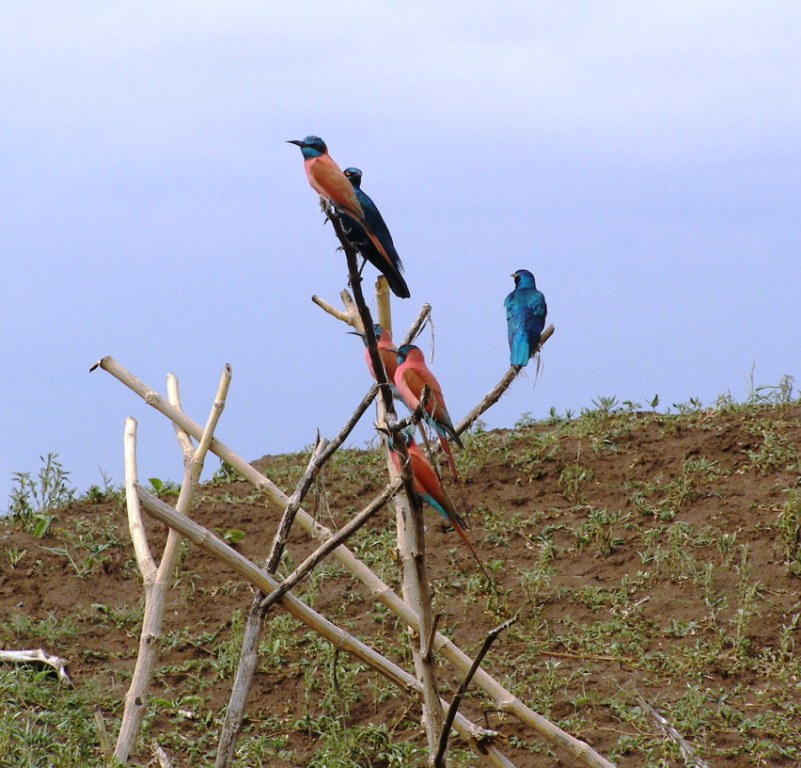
[{"x": 156, "y": 579}]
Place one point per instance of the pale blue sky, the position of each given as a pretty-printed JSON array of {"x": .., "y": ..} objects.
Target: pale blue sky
[{"x": 642, "y": 159}]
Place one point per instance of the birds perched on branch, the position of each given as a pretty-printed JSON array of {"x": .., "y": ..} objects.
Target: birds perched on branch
[
  {"x": 411, "y": 376},
  {"x": 430, "y": 490},
  {"x": 328, "y": 180},
  {"x": 391, "y": 268},
  {"x": 525, "y": 318}
]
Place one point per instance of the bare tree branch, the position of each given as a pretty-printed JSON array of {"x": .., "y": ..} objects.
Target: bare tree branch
[
  {"x": 331, "y": 544},
  {"x": 462, "y": 689},
  {"x": 690, "y": 756},
  {"x": 497, "y": 391},
  {"x": 156, "y": 580}
]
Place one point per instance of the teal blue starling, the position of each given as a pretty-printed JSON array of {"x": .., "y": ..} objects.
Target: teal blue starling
[
  {"x": 386, "y": 259},
  {"x": 525, "y": 318}
]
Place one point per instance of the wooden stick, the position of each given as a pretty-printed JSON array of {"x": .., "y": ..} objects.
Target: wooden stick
[
  {"x": 497, "y": 391},
  {"x": 504, "y": 700},
  {"x": 337, "y": 636},
  {"x": 326, "y": 307},
  {"x": 690, "y": 756},
  {"x": 465, "y": 684},
  {"x": 313, "y": 468},
  {"x": 144, "y": 559},
  {"x": 382, "y": 303},
  {"x": 161, "y": 756},
  {"x": 38, "y": 656}
]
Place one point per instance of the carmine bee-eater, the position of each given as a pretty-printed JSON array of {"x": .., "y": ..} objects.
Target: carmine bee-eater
[
  {"x": 327, "y": 180},
  {"x": 411, "y": 376},
  {"x": 356, "y": 235},
  {"x": 430, "y": 490},
  {"x": 525, "y": 318},
  {"x": 387, "y": 351}
]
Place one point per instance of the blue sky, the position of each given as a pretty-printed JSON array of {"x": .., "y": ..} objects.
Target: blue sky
[{"x": 642, "y": 159}]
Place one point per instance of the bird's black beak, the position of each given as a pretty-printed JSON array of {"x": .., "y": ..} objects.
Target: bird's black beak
[
  {"x": 355, "y": 333},
  {"x": 297, "y": 142}
]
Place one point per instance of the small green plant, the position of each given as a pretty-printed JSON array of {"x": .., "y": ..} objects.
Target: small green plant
[
  {"x": 693, "y": 405},
  {"x": 163, "y": 487},
  {"x": 598, "y": 530},
  {"x": 780, "y": 394},
  {"x": 367, "y": 746},
  {"x": 789, "y": 528},
  {"x": 225, "y": 475},
  {"x": 775, "y": 452},
  {"x": 535, "y": 581},
  {"x": 15, "y": 556},
  {"x": 96, "y": 495},
  {"x": 573, "y": 479},
  {"x": 233, "y": 536},
  {"x": 35, "y": 499}
]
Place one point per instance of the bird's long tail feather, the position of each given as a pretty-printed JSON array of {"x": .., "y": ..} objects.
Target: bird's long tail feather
[
  {"x": 443, "y": 441},
  {"x": 460, "y": 530}
]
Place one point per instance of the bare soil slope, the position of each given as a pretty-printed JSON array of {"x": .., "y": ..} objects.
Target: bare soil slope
[{"x": 647, "y": 557}]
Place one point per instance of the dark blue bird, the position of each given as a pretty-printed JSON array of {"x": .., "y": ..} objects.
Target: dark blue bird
[
  {"x": 387, "y": 263},
  {"x": 525, "y": 318}
]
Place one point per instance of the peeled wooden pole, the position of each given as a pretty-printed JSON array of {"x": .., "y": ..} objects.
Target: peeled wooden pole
[{"x": 38, "y": 656}]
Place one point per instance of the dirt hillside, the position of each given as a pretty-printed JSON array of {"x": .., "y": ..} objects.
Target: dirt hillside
[{"x": 648, "y": 558}]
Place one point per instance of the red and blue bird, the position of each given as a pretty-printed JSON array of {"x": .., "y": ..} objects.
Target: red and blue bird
[
  {"x": 430, "y": 490},
  {"x": 387, "y": 351},
  {"x": 411, "y": 375}
]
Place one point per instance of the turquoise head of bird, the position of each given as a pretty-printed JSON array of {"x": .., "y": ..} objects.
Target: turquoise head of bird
[
  {"x": 311, "y": 146},
  {"x": 524, "y": 278}
]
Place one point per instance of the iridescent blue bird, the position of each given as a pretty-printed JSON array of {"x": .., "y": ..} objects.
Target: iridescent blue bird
[
  {"x": 388, "y": 262},
  {"x": 525, "y": 318}
]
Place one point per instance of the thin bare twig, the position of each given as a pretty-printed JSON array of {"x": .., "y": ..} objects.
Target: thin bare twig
[
  {"x": 106, "y": 748},
  {"x": 462, "y": 689},
  {"x": 313, "y": 468},
  {"x": 331, "y": 544},
  {"x": 497, "y": 391},
  {"x": 687, "y": 752}
]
